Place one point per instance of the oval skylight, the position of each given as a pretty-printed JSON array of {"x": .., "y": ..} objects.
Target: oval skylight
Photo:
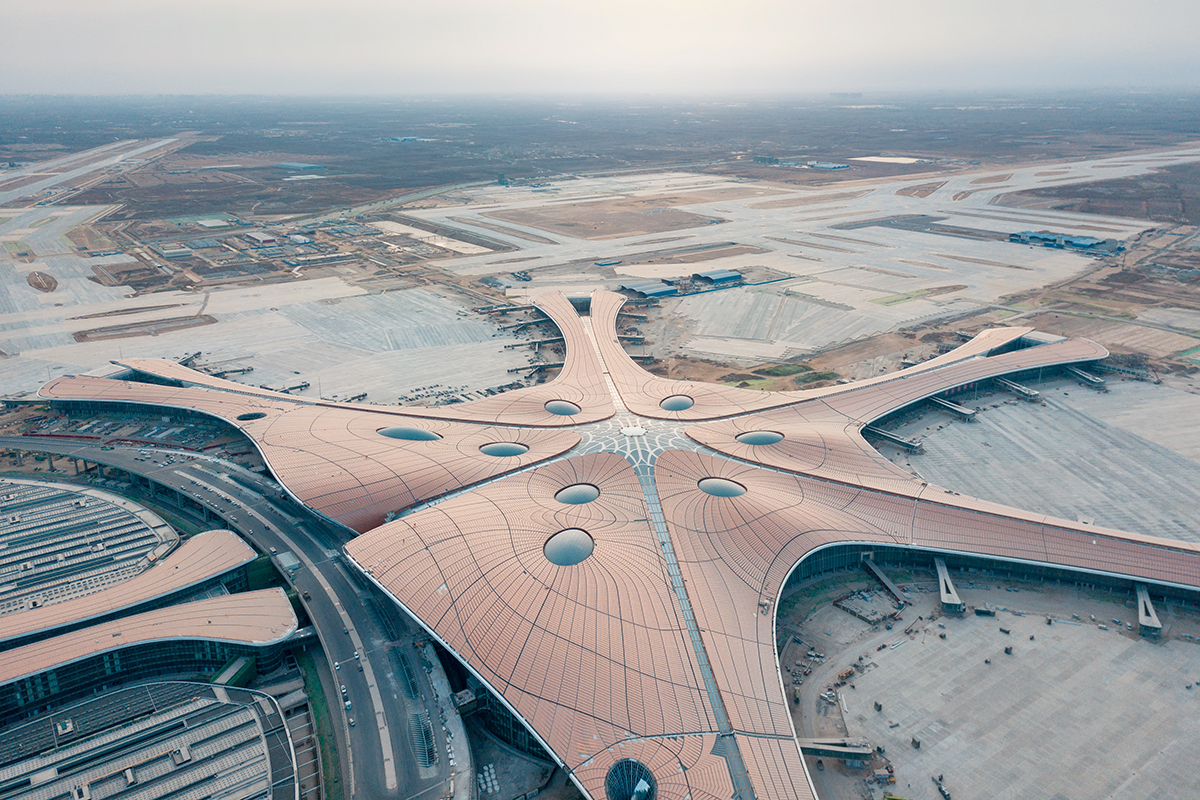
[
  {"x": 721, "y": 487},
  {"x": 562, "y": 408},
  {"x": 503, "y": 449},
  {"x": 568, "y": 547},
  {"x": 577, "y": 494},
  {"x": 759, "y": 437},
  {"x": 411, "y": 434},
  {"x": 676, "y": 402}
]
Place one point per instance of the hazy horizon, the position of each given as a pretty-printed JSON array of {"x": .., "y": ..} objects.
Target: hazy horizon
[{"x": 539, "y": 48}]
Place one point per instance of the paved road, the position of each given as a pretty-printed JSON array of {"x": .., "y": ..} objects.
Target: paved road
[
  {"x": 380, "y": 760},
  {"x": 71, "y": 173},
  {"x": 379, "y": 205}
]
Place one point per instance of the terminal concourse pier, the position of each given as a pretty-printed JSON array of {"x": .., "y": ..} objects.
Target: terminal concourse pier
[{"x": 605, "y": 551}]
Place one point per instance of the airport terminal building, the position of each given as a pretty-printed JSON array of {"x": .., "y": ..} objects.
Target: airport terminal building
[{"x": 606, "y": 551}]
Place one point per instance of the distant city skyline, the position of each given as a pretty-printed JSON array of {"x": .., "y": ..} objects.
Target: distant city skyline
[{"x": 591, "y": 47}]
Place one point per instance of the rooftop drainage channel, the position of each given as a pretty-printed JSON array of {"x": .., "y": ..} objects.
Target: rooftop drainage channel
[
  {"x": 618, "y": 401},
  {"x": 643, "y": 466},
  {"x": 727, "y": 745}
]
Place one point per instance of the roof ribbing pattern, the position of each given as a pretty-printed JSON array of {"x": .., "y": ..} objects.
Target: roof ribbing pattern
[{"x": 652, "y": 638}]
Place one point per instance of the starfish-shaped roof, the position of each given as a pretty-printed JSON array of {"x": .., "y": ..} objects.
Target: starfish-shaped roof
[{"x": 650, "y": 635}]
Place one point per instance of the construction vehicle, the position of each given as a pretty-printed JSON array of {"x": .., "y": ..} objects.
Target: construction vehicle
[{"x": 847, "y": 673}]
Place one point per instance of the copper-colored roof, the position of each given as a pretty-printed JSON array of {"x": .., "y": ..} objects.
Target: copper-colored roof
[
  {"x": 332, "y": 458},
  {"x": 643, "y": 393},
  {"x": 736, "y": 552},
  {"x": 823, "y": 436},
  {"x": 252, "y": 618},
  {"x": 580, "y": 381},
  {"x": 656, "y": 646},
  {"x": 590, "y": 655},
  {"x": 200, "y": 558}
]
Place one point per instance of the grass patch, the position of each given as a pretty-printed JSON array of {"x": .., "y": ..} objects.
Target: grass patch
[
  {"x": 323, "y": 722},
  {"x": 261, "y": 573},
  {"x": 813, "y": 377},
  {"x": 892, "y": 299},
  {"x": 1090, "y": 310},
  {"x": 799, "y": 604},
  {"x": 184, "y": 526},
  {"x": 1088, "y": 301},
  {"x": 761, "y": 384},
  {"x": 18, "y": 247},
  {"x": 783, "y": 370},
  {"x": 897, "y": 299}
]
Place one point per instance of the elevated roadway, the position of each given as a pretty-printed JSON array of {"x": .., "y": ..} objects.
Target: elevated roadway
[{"x": 379, "y": 761}]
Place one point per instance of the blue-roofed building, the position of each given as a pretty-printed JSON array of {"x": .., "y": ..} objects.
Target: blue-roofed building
[
  {"x": 202, "y": 244},
  {"x": 647, "y": 288},
  {"x": 718, "y": 277},
  {"x": 1049, "y": 239}
]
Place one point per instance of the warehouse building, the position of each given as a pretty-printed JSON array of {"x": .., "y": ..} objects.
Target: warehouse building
[{"x": 648, "y": 289}]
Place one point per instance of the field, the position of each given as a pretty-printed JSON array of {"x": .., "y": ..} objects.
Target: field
[
  {"x": 607, "y": 219},
  {"x": 892, "y": 254},
  {"x": 1170, "y": 194}
]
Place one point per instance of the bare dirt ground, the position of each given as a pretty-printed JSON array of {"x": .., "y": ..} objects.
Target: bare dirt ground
[
  {"x": 123, "y": 311},
  {"x": 993, "y": 178},
  {"x": 791, "y": 177},
  {"x": 789, "y": 202},
  {"x": 693, "y": 257},
  {"x": 88, "y": 237},
  {"x": 920, "y": 189},
  {"x": 529, "y": 237},
  {"x": 267, "y": 158},
  {"x": 42, "y": 281},
  {"x": 150, "y": 179},
  {"x": 984, "y": 261},
  {"x": 148, "y": 328},
  {"x": 716, "y": 194},
  {"x": 1171, "y": 194},
  {"x": 609, "y": 219}
]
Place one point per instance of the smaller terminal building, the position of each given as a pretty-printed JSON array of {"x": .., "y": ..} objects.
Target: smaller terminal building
[
  {"x": 1062, "y": 240},
  {"x": 197, "y": 638}
]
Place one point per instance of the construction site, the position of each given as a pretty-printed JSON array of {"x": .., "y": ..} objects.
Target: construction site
[
  {"x": 228, "y": 335},
  {"x": 978, "y": 701}
]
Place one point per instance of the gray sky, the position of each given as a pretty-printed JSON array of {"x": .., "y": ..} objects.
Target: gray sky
[{"x": 405, "y": 47}]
